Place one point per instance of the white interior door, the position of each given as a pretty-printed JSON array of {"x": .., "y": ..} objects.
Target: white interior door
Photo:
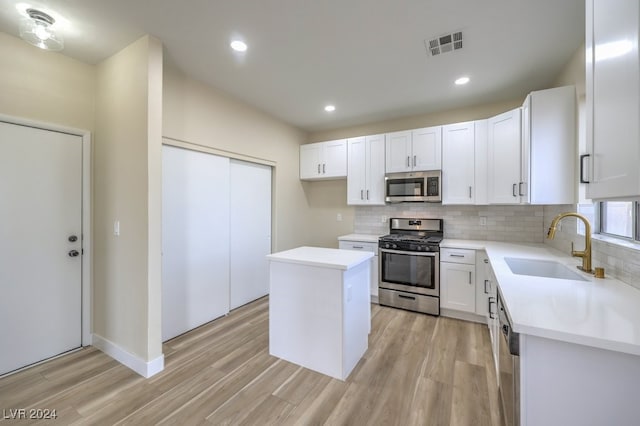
[
  {"x": 40, "y": 209},
  {"x": 250, "y": 231},
  {"x": 195, "y": 239}
]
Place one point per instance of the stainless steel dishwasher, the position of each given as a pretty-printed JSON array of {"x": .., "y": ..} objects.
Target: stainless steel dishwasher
[{"x": 509, "y": 366}]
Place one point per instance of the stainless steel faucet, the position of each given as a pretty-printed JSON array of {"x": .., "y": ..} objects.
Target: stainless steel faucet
[{"x": 584, "y": 254}]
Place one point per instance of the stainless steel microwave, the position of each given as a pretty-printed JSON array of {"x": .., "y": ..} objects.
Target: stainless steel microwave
[{"x": 413, "y": 187}]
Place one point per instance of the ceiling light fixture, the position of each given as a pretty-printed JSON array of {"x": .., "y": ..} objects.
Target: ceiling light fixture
[
  {"x": 37, "y": 30},
  {"x": 462, "y": 80},
  {"x": 239, "y": 46},
  {"x": 330, "y": 108}
]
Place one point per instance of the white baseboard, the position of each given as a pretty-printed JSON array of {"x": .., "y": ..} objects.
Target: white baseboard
[
  {"x": 144, "y": 368},
  {"x": 466, "y": 316}
]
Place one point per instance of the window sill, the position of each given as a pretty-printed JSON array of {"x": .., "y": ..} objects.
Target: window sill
[{"x": 618, "y": 242}]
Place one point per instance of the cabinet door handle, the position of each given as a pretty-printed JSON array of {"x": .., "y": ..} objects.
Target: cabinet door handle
[
  {"x": 470, "y": 278},
  {"x": 513, "y": 191},
  {"x": 470, "y": 192},
  {"x": 408, "y": 161},
  {"x": 582, "y": 157},
  {"x": 367, "y": 194},
  {"x": 520, "y": 191},
  {"x": 318, "y": 168},
  {"x": 485, "y": 286},
  {"x": 415, "y": 160},
  {"x": 362, "y": 194},
  {"x": 324, "y": 169},
  {"x": 490, "y": 311}
]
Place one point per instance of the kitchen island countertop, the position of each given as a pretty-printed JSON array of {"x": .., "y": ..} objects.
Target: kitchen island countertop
[{"x": 322, "y": 257}]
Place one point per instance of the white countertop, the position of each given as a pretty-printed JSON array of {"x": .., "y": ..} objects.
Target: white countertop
[
  {"x": 322, "y": 257},
  {"x": 602, "y": 313},
  {"x": 363, "y": 238}
]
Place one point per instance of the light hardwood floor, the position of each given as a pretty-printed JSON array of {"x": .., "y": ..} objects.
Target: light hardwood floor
[{"x": 418, "y": 370}]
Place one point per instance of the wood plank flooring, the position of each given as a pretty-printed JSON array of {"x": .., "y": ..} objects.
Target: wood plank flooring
[{"x": 418, "y": 370}]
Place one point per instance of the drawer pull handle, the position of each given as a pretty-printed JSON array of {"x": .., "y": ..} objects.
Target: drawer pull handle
[
  {"x": 456, "y": 255},
  {"x": 402, "y": 296},
  {"x": 358, "y": 247}
]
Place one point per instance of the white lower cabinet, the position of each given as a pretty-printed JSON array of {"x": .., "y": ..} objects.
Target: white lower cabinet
[
  {"x": 492, "y": 315},
  {"x": 482, "y": 284},
  {"x": 365, "y": 246},
  {"x": 458, "y": 279}
]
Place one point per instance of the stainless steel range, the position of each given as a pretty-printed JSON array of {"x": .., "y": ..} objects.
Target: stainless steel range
[{"x": 410, "y": 265}]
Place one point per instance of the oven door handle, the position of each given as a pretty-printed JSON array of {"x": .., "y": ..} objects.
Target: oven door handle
[{"x": 410, "y": 253}]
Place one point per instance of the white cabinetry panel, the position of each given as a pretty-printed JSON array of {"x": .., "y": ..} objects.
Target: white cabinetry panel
[
  {"x": 323, "y": 160},
  {"x": 613, "y": 92},
  {"x": 458, "y": 286},
  {"x": 458, "y": 163},
  {"x": 427, "y": 148},
  {"x": 398, "y": 152},
  {"x": 414, "y": 150},
  {"x": 365, "y": 171},
  {"x": 504, "y": 157}
]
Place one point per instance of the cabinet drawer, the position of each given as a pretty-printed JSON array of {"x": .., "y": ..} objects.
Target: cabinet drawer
[
  {"x": 453, "y": 255},
  {"x": 357, "y": 245}
]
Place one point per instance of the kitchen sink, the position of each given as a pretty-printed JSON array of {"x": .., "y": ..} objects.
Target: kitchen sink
[{"x": 541, "y": 268}]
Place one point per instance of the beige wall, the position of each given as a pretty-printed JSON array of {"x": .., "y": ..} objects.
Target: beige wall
[
  {"x": 574, "y": 72},
  {"x": 45, "y": 86},
  {"x": 126, "y": 188},
  {"x": 201, "y": 115}
]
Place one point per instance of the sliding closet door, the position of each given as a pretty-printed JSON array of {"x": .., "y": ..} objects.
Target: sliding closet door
[
  {"x": 195, "y": 239},
  {"x": 250, "y": 231}
]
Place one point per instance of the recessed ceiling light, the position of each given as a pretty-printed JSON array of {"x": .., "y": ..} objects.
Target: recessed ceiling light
[
  {"x": 462, "y": 80},
  {"x": 330, "y": 108},
  {"x": 239, "y": 46}
]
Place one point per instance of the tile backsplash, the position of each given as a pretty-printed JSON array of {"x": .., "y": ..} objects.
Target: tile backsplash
[
  {"x": 524, "y": 224},
  {"x": 503, "y": 223}
]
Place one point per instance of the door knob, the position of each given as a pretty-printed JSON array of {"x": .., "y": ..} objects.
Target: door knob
[
  {"x": 73, "y": 238},
  {"x": 74, "y": 253}
]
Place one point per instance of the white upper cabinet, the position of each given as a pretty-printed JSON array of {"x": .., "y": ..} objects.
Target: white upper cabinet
[
  {"x": 365, "y": 174},
  {"x": 398, "y": 152},
  {"x": 415, "y": 150},
  {"x": 323, "y": 160},
  {"x": 427, "y": 148},
  {"x": 549, "y": 147},
  {"x": 458, "y": 163},
  {"x": 532, "y": 150},
  {"x": 613, "y": 92},
  {"x": 504, "y": 141},
  {"x": 464, "y": 163}
]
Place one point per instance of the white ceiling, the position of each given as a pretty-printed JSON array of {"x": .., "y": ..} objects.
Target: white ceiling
[{"x": 367, "y": 57}]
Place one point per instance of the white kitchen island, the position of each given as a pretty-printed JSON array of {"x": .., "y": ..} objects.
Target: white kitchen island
[{"x": 319, "y": 308}]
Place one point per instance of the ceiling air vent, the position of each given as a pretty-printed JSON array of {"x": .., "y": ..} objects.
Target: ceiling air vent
[{"x": 444, "y": 43}]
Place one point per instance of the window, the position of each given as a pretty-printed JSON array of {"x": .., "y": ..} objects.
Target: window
[{"x": 619, "y": 219}]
